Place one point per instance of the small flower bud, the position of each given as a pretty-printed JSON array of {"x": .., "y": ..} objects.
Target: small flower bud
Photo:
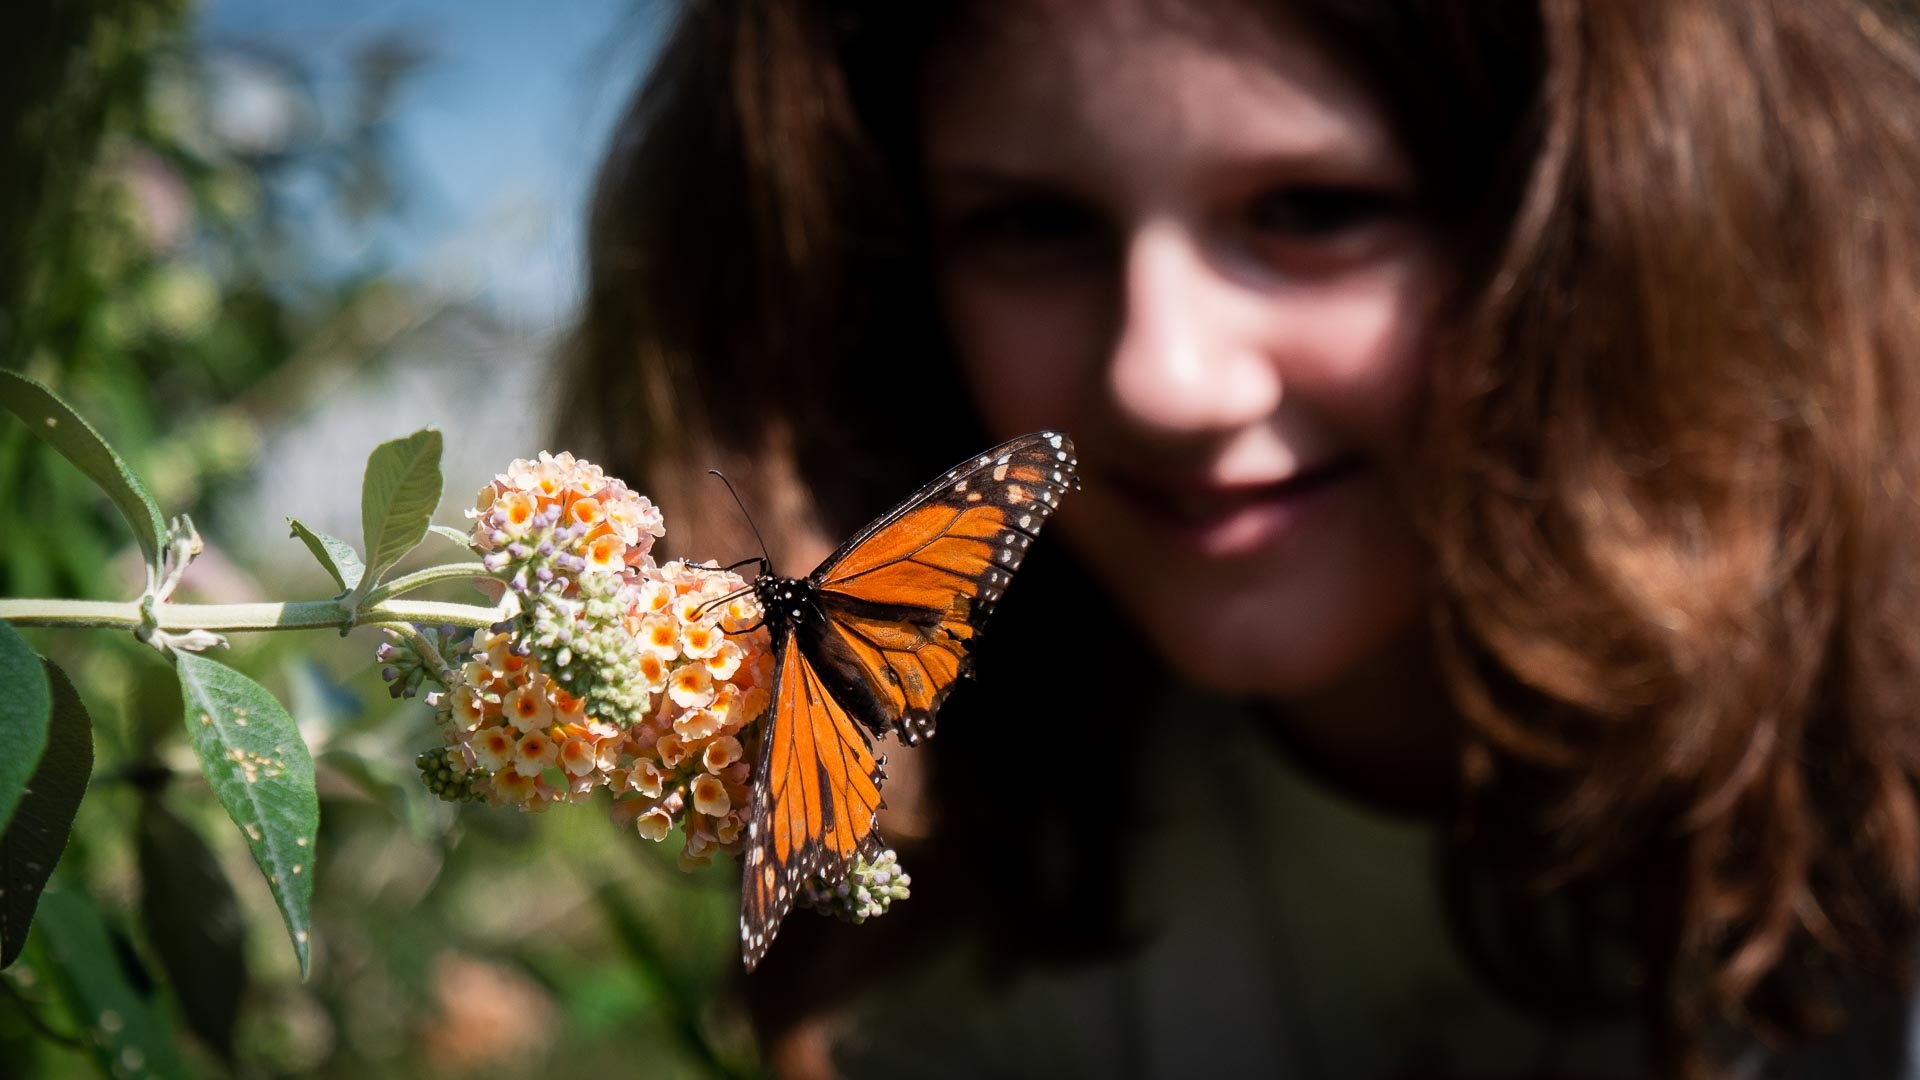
[{"x": 868, "y": 890}]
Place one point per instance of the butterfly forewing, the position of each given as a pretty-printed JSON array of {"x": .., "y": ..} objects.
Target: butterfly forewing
[{"x": 886, "y": 629}]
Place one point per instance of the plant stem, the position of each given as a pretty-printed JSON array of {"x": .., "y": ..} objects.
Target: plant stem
[
  {"x": 421, "y": 578},
  {"x": 298, "y": 615}
]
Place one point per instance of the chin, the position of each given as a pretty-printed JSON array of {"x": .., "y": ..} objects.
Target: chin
[{"x": 1274, "y": 658}]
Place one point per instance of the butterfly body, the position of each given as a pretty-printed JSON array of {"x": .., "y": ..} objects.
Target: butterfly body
[{"x": 870, "y": 644}]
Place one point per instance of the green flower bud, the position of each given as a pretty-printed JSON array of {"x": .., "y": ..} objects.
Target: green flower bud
[{"x": 454, "y": 785}]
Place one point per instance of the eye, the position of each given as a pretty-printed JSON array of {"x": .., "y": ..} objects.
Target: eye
[
  {"x": 1312, "y": 212},
  {"x": 1315, "y": 230},
  {"x": 1026, "y": 233}
]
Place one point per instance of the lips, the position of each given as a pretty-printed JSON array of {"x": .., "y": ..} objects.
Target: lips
[{"x": 1234, "y": 519}]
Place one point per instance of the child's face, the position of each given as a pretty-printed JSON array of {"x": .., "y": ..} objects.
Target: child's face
[{"x": 1191, "y": 241}]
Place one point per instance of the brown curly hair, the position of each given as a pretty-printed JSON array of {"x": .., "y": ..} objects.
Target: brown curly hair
[
  {"x": 1674, "y": 484},
  {"x": 1674, "y": 499}
]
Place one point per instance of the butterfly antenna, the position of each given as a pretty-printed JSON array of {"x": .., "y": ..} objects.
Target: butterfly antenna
[{"x": 766, "y": 557}]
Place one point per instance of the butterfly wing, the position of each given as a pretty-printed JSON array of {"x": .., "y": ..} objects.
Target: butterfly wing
[
  {"x": 906, "y": 598},
  {"x": 898, "y": 608},
  {"x": 816, "y": 795}
]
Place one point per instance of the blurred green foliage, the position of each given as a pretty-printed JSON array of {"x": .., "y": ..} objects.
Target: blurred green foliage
[{"x": 151, "y": 272}]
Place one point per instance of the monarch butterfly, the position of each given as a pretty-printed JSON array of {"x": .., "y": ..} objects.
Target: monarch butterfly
[{"x": 869, "y": 644}]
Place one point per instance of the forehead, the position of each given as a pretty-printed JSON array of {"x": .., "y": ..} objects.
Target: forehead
[{"x": 1107, "y": 84}]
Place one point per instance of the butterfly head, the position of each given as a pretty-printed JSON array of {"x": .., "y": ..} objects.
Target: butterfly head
[{"x": 785, "y": 602}]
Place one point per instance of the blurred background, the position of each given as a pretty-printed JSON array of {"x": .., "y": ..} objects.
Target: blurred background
[{"x": 250, "y": 240}]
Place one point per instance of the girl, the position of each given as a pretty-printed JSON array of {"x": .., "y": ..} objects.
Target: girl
[{"x": 1495, "y": 420}]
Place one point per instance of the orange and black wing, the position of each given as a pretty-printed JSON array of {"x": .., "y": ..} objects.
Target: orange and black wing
[
  {"x": 817, "y": 792},
  {"x": 906, "y": 598},
  {"x": 896, "y": 611}
]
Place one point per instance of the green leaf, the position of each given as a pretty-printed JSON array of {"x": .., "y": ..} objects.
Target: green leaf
[
  {"x": 34, "y": 841},
  {"x": 125, "y": 1029},
  {"x": 193, "y": 924},
  {"x": 455, "y": 535},
  {"x": 338, "y": 556},
  {"x": 25, "y": 704},
  {"x": 261, "y": 772},
  {"x": 63, "y": 429},
  {"x": 153, "y": 711},
  {"x": 397, "y": 499}
]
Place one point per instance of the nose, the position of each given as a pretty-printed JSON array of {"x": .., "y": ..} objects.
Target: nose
[{"x": 1187, "y": 357}]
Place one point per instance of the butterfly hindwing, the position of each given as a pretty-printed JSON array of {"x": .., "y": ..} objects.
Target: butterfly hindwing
[
  {"x": 816, "y": 794},
  {"x": 874, "y": 639}
]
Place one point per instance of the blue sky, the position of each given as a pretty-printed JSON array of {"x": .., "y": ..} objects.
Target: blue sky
[
  {"x": 495, "y": 140},
  {"x": 497, "y": 134}
]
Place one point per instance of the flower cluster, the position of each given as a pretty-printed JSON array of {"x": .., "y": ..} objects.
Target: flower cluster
[
  {"x": 559, "y": 511},
  {"x": 692, "y": 760},
  {"x": 565, "y": 535},
  {"x": 619, "y": 672},
  {"x": 646, "y": 679},
  {"x": 525, "y": 741},
  {"x": 868, "y": 890}
]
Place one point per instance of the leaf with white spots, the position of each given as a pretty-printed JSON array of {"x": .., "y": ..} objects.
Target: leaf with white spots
[
  {"x": 25, "y": 704},
  {"x": 35, "y": 838},
  {"x": 261, "y": 771},
  {"x": 126, "y": 1030}
]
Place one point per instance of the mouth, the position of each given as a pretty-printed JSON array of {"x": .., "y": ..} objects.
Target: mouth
[{"x": 1226, "y": 520}]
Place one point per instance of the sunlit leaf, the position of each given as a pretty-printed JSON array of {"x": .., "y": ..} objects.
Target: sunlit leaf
[
  {"x": 398, "y": 497},
  {"x": 125, "y": 1029},
  {"x": 25, "y": 702},
  {"x": 454, "y": 535},
  {"x": 63, "y": 429},
  {"x": 35, "y": 838},
  {"x": 193, "y": 924},
  {"x": 338, "y": 556},
  {"x": 262, "y": 773}
]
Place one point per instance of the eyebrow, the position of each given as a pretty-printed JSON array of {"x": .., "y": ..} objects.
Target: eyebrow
[
  {"x": 1330, "y": 162},
  {"x": 987, "y": 177}
]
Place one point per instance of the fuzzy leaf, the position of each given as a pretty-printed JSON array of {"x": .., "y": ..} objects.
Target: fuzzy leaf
[
  {"x": 25, "y": 704},
  {"x": 125, "y": 1029},
  {"x": 338, "y": 556},
  {"x": 398, "y": 497},
  {"x": 63, "y": 429},
  {"x": 34, "y": 840},
  {"x": 193, "y": 923},
  {"x": 261, "y": 772},
  {"x": 455, "y": 535}
]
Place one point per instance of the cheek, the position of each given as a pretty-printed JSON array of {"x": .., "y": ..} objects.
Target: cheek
[
  {"x": 1360, "y": 355},
  {"x": 1027, "y": 356}
]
